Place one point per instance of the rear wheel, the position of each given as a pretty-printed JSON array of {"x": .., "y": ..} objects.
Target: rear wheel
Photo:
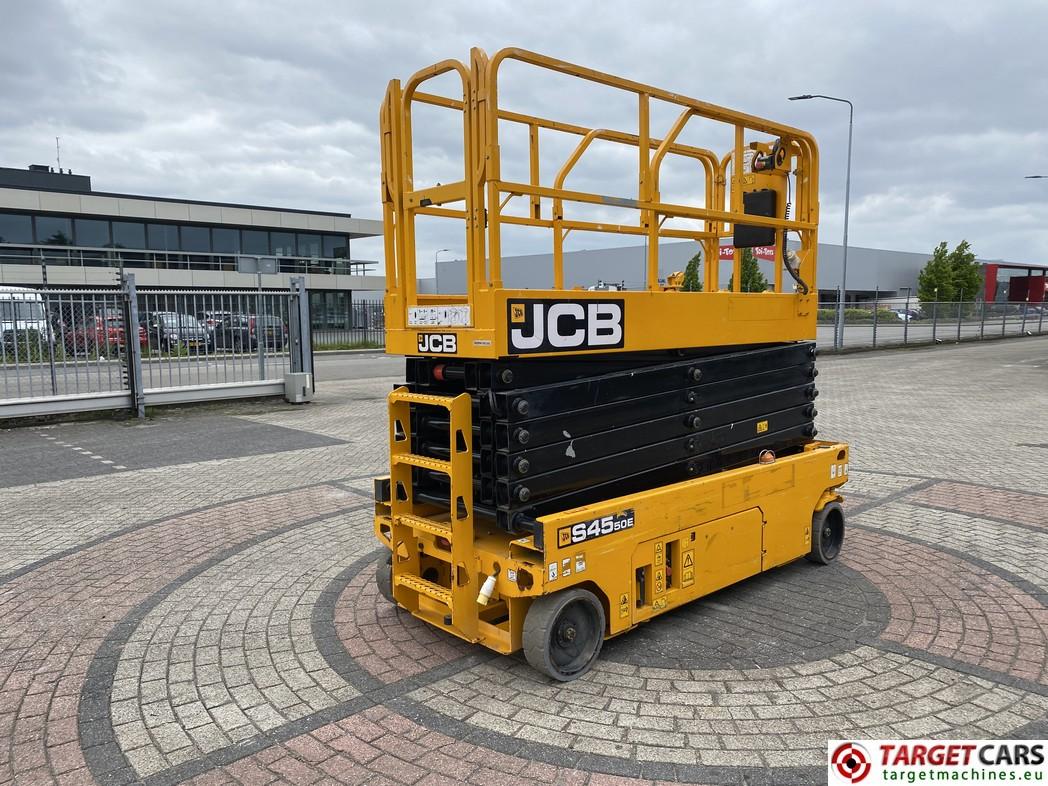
[
  {"x": 384, "y": 578},
  {"x": 564, "y": 633},
  {"x": 827, "y": 534}
]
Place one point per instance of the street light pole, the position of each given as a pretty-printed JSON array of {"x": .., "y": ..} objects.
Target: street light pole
[
  {"x": 847, "y": 200},
  {"x": 436, "y": 255}
]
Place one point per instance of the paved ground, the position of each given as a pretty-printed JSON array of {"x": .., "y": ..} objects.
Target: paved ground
[{"x": 204, "y": 610}]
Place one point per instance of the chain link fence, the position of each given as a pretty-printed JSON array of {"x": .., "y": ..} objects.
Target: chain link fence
[
  {"x": 875, "y": 324},
  {"x": 364, "y": 328}
]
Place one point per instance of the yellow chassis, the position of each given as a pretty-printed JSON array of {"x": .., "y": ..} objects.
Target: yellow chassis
[
  {"x": 636, "y": 555},
  {"x": 667, "y": 546}
]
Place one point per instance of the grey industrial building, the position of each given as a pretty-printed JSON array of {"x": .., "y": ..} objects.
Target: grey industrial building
[
  {"x": 871, "y": 271},
  {"x": 53, "y": 225}
]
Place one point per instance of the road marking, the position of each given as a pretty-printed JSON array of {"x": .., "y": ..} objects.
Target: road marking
[{"x": 84, "y": 452}]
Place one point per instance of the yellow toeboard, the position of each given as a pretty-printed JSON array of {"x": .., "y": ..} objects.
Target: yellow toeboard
[{"x": 642, "y": 553}]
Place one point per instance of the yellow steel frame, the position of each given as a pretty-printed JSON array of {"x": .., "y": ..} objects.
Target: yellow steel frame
[
  {"x": 658, "y": 316},
  {"x": 687, "y": 539}
]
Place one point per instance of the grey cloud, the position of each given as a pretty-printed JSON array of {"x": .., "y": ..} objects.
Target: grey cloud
[{"x": 276, "y": 102}]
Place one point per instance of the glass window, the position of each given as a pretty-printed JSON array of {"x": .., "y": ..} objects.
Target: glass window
[
  {"x": 309, "y": 246},
  {"x": 196, "y": 239},
  {"x": 254, "y": 241},
  {"x": 163, "y": 237},
  {"x": 91, "y": 232},
  {"x": 54, "y": 231},
  {"x": 15, "y": 228},
  {"x": 283, "y": 243},
  {"x": 129, "y": 234},
  {"x": 336, "y": 246},
  {"x": 225, "y": 240}
]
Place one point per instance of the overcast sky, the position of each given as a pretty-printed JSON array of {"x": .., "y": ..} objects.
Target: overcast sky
[{"x": 276, "y": 103}]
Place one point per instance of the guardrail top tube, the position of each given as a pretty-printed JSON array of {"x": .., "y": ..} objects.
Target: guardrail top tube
[{"x": 807, "y": 167}]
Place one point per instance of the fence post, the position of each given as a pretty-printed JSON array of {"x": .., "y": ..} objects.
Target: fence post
[
  {"x": 959, "y": 306},
  {"x": 1040, "y": 319},
  {"x": 982, "y": 320},
  {"x": 838, "y": 320},
  {"x": 906, "y": 322},
  {"x": 259, "y": 337},
  {"x": 876, "y": 308},
  {"x": 935, "y": 318},
  {"x": 133, "y": 357},
  {"x": 1004, "y": 319},
  {"x": 302, "y": 349},
  {"x": 1026, "y": 307},
  {"x": 50, "y": 327}
]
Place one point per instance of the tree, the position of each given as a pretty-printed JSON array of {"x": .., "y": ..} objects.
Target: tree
[
  {"x": 950, "y": 275},
  {"x": 692, "y": 282},
  {"x": 935, "y": 281},
  {"x": 752, "y": 278},
  {"x": 967, "y": 273}
]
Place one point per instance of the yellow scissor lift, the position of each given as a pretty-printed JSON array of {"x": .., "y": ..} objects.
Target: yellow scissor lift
[{"x": 691, "y": 462}]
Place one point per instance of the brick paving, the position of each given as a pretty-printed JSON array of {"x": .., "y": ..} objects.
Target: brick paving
[{"x": 217, "y": 621}]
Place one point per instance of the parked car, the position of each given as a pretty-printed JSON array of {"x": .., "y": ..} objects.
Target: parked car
[
  {"x": 211, "y": 318},
  {"x": 242, "y": 331},
  {"x": 906, "y": 315},
  {"x": 103, "y": 330},
  {"x": 168, "y": 330},
  {"x": 23, "y": 320}
]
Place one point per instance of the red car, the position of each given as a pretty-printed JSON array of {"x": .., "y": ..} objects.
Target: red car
[{"x": 105, "y": 329}]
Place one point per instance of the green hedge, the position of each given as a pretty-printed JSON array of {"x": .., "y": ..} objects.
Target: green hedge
[
  {"x": 28, "y": 346},
  {"x": 851, "y": 315}
]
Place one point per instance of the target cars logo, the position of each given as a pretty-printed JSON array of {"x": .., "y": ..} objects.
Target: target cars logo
[
  {"x": 850, "y": 762},
  {"x": 875, "y": 762}
]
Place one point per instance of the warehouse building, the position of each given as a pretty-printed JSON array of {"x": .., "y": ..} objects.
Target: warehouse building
[
  {"x": 872, "y": 272},
  {"x": 55, "y": 228}
]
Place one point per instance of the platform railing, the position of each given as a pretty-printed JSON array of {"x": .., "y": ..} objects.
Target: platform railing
[{"x": 482, "y": 198}]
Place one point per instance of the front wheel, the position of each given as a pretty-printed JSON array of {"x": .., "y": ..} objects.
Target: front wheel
[
  {"x": 827, "y": 534},
  {"x": 384, "y": 578},
  {"x": 564, "y": 633}
]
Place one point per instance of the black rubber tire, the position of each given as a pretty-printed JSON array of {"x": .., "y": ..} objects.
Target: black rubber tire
[
  {"x": 384, "y": 578},
  {"x": 827, "y": 534},
  {"x": 564, "y": 633}
]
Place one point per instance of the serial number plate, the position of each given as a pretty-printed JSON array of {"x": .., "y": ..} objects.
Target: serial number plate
[{"x": 438, "y": 316}]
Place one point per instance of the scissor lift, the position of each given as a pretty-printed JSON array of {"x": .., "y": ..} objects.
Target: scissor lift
[{"x": 566, "y": 463}]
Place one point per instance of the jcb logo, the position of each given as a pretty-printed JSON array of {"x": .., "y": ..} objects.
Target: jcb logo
[
  {"x": 437, "y": 343},
  {"x": 565, "y": 325}
]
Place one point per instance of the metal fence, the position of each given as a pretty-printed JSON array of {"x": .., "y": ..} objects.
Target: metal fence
[
  {"x": 866, "y": 325},
  {"x": 193, "y": 337},
  {"x": 875, "y": 324},
  {"x": 70, "y": 350},
  {"x": 365, "y": 328},
  {"x": 61, "y": 342}
]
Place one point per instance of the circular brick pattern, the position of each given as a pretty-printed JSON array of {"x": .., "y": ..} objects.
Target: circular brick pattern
[
  {"x": 794, "y": 614},
  {"x": 252, "y": 629},
  {"x": 385, "y": 640}
]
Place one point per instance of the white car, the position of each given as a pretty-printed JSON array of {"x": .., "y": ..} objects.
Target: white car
[{"x": 21, "y": 311}]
